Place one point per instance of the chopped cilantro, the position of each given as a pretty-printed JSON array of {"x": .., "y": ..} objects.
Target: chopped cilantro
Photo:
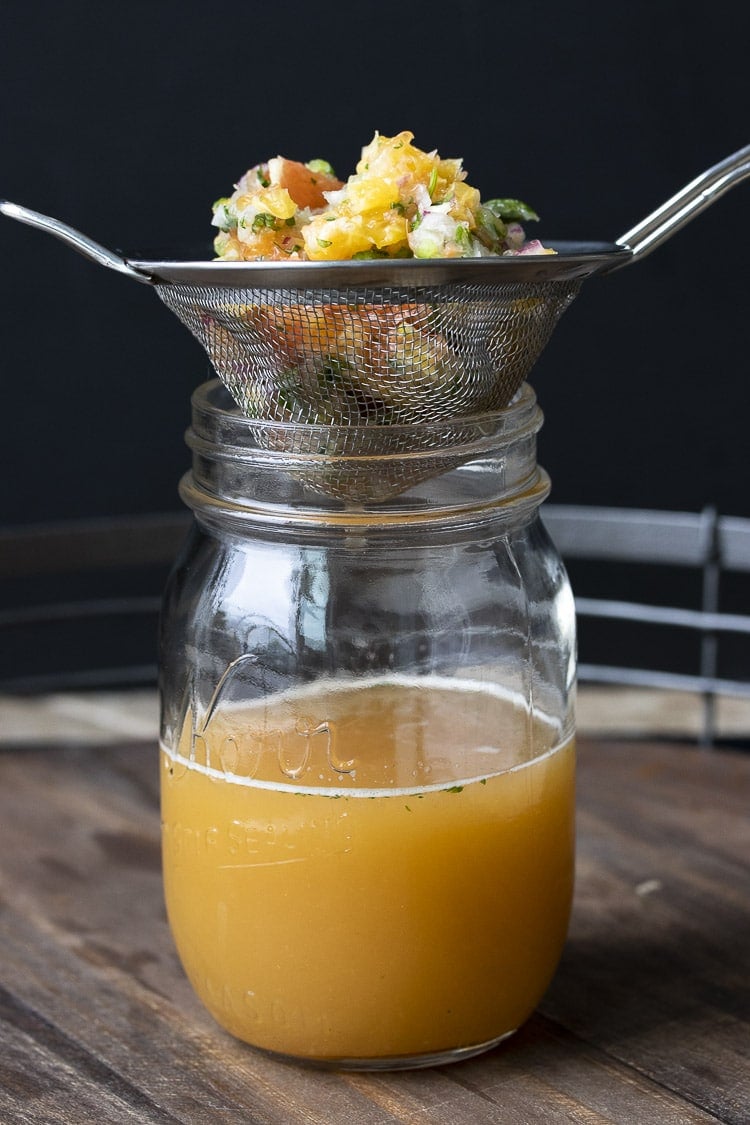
[
  {"x": 324, "y": 242},
  {"x": 263, "y": 219},
  {"x": 224, "y": 217}
]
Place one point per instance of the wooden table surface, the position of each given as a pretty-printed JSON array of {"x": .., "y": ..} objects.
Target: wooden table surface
[{"x": 648, "y": 1019}]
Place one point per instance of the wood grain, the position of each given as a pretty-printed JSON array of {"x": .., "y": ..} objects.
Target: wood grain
[{"x": 647, "y": 1021}]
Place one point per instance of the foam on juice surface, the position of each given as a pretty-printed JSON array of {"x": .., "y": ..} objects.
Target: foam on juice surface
[{"x": 303, "y": 737}]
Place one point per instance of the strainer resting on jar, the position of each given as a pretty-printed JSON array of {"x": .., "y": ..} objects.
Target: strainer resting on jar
[{"x": 358, "y": 359}]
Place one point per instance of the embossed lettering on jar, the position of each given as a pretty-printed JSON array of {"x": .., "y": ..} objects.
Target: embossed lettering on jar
[{"x": 367, "y": 757}]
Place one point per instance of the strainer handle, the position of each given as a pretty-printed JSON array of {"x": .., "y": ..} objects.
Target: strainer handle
[
  {"x": 80, "y": 242},
  {"x": 695, "y": 197}
]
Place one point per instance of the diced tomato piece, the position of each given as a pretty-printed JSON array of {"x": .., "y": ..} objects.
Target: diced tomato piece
[{"x": 305, "y": 186}]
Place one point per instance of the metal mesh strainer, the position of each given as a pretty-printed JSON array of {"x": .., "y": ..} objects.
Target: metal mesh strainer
[
  {"x": 379, "y": 356},
  {"x": 374, "y": 344}
]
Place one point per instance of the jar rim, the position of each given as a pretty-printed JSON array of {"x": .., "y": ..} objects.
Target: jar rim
[
  {"x": 215, "y": 414},
  {"x": 299, "y": 472}
]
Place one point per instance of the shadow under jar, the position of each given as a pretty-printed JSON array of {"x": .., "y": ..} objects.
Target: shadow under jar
[{"x": 367, "y": 760}]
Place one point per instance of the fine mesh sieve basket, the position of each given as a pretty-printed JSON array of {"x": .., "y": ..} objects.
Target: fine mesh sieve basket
[{"x": 372, "y": 356}]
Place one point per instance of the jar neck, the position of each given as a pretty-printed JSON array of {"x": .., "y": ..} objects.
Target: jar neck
[{"x": 294, "y": 473}]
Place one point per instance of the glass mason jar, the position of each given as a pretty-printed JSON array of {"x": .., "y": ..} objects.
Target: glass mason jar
[{"x": 367, "y": 762}]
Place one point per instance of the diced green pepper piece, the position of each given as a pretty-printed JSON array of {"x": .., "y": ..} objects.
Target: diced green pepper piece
[
  {"x": 321, "y": 166},
  {"x": 511, "y": 210}
]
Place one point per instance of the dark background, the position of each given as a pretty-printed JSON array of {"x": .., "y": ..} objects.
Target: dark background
[{"x": 128, "y": 120}]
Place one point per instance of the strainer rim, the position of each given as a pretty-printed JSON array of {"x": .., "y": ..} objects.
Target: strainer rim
[{"x": 572, "y": 260}]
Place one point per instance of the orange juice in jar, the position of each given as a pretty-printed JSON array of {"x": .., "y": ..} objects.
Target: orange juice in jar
[
  {"x": 340, "y": 890},
  {"x": 367, "y": 764}
]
